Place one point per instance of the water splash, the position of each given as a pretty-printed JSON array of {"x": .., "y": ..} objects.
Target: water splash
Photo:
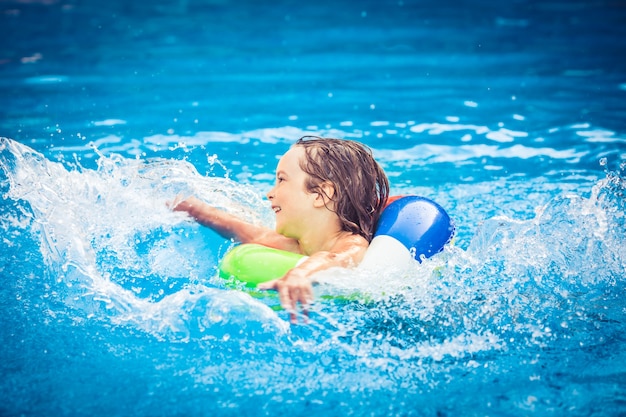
[
  {"x": 555, "y": 278},
  {"x": 113, "y": 249},
  {"x": 498, "y": 310}
]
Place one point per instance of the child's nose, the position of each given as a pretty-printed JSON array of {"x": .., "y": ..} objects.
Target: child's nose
[{"x": 270, "y": 194}]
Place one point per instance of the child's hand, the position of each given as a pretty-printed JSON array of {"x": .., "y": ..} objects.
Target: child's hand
[
  {"x": 293, "y": 288},
  {"x": 174, "y": 204}
]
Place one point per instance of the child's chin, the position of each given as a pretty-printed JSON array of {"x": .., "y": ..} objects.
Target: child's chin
[{"x": 285, "y": 231}]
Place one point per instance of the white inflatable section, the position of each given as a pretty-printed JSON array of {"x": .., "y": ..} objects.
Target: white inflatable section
[{"x": 386, "y": 252}]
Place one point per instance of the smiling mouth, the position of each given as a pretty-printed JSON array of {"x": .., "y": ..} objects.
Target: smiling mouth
[{"x": 276, "y": 209}]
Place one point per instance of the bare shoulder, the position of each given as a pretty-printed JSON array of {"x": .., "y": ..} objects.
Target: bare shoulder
[
  {"x": 351, "y": 240},
  {"x": 352, "y": 246}
]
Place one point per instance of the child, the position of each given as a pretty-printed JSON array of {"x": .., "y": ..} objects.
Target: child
[{"x": 327, "y": 198}]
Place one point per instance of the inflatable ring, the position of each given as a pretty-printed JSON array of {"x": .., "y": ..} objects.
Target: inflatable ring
[
  {"x": 254, "y": 264},
  {"x": 410, "y": 228}
]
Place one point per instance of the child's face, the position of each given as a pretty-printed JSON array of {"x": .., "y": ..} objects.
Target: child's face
[{"x": 289, "y": 198}]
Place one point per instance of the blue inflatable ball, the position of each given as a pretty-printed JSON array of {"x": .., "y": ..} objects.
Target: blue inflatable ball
[{"x": 419, "y": 223}]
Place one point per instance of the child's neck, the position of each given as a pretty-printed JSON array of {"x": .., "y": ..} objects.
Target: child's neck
[
  {"x": 321, "y": 231},
  {"x": 320, "y": 241}
]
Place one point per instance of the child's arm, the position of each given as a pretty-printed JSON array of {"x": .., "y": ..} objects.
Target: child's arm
[
  {"x": 231, "y": 227},
  {"x": 296, "y": 286}
]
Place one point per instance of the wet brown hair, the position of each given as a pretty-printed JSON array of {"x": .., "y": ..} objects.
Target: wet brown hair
[{"x": 361, "y": 186}]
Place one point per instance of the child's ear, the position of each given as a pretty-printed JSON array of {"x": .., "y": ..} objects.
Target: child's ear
[{"x": 325, "y": 197}]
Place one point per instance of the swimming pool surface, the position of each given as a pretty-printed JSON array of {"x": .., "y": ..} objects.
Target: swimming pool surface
[{"x": 510, "y": 115}]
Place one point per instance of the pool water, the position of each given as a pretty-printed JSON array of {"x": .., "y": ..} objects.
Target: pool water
[{"x": 511, "y": 116}]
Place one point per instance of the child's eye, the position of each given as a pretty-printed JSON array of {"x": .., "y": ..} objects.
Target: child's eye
[{"x": 279, "y": 179}]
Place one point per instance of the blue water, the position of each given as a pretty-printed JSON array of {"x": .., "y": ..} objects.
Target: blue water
[{"x": 510, "y": 115}]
